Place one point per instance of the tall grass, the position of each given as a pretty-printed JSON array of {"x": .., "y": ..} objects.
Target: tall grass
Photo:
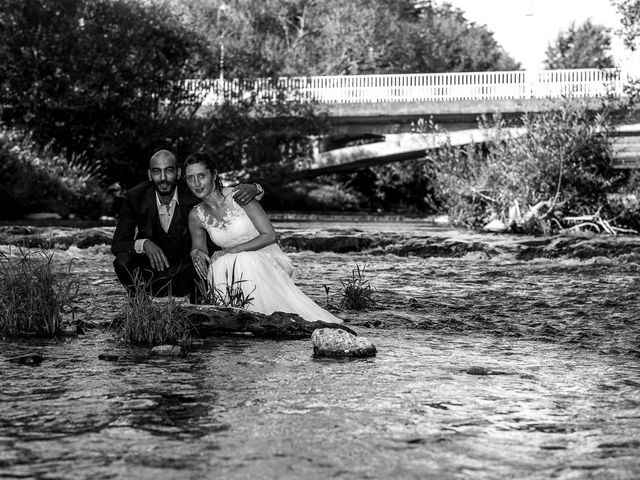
[
  {"x": 232, "y": 295},
  {"x": 145, "y": 322},
  {"x": 356, "y": 292},
  {"x": 32, "y": 297}
]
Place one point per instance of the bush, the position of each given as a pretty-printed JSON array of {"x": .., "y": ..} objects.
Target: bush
[
  {"x": 32, "y": 299},
  {"x": 37, "y": 179},
  {"x": 562, "y": 160},
  {"x": 94, "y": 79}
]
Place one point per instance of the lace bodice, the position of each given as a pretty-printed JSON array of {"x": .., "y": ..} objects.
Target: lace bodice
[{"x": 235, "y": 227}]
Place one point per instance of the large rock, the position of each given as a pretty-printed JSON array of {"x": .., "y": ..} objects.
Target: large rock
[
  {"x": 211, "y": 321},
  {"x": 329, "y": 342}
]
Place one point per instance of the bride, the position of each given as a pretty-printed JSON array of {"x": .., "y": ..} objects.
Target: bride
[{"x": 248, "y": 246}]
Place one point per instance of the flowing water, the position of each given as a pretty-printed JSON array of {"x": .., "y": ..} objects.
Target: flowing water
[{"x": 487, "y": 367}]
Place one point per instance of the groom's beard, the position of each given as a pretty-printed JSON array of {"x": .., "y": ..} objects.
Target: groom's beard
[{"x": 165, "y": 188}]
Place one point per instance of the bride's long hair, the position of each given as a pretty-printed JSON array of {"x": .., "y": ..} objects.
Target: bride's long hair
[{"x": 204, "y": 159}]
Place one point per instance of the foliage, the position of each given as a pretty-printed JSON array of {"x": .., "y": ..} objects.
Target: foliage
[
  {"x": 32, "y": 297},
  {"x": 267, "y": 38},
  {"x": 625, "y": 203},
  {"x": 335, "y": 197},
  {"x": 562, "y": 158},
  {"x": 252, "y": 133},
  {"x": 90, "y": 75},
  {"x": 145, "y": 322},
  {"x": 37, "y": 179},
  {"x": 438, "y": 38},
  {"x": 584, "y": 46},
  {"x": 629, "y": 11},
  {"x": 356, "y": 292},
  {"x": 232, "y": 295}
]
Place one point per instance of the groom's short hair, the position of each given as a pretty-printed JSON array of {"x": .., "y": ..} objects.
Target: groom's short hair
[{"x": 163, "y": 154}]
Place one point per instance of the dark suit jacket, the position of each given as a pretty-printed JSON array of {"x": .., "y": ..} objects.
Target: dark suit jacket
[{"x": 139, "y": 219}]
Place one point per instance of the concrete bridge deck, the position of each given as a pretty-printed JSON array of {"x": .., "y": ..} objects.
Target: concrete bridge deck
[{"x": 411, "y": 146}]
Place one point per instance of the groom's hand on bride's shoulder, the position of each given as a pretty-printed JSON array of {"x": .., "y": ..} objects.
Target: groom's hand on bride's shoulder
[
  {"x": 243, "y": 193},
  {"x": 156, "y": 256}
]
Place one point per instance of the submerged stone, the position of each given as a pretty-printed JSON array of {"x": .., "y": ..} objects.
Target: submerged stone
[
  {"x": 27, "y": 359},
  {"x": 477, "y": 370},
  {"x": 330, "y": 342},
  {"x": 167, "y": 350},
  {"x": 109, "y": 357}
]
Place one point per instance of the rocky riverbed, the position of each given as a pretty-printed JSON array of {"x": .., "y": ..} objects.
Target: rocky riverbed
[{"x": 498, "y": 357}]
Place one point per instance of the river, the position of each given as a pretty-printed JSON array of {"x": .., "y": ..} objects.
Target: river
[{"x": 496, "y": 360}]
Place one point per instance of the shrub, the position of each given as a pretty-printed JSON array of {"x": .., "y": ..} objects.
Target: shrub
[
  {"x": 37, "y": 179},
  {"x": 93, "y": 80},
  {"x": 357, "y": 293},
  {"x": 563, "y": 159},
  {"x": 32, "y": 298}
]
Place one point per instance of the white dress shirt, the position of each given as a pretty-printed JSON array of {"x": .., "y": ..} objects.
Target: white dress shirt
[{"x": 165, "y": 213}]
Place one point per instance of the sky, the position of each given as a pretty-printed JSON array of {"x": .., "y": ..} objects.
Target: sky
[{"x": 526, "y": 27}]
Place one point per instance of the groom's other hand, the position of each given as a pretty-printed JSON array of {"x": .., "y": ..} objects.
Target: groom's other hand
[
  {"x": 156, "y": 256},
  {"x": 245, "y": 192}
]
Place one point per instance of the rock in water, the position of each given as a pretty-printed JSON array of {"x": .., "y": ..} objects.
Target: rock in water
[
  {"x": 28, "y": 359},
  {"x": 495, "y": 226},
  {"x": 331, "y": 342},
  {"x": 167, "y": 350},
  {"x": 108, "y": 357}
]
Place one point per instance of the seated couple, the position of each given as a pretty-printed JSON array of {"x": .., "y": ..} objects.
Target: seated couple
[{"x": 168, "y": 235}]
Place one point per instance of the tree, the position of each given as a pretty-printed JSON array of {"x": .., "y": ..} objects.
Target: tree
[
  {"x": 337, "y": 37},
  {"x": 90, "y": 75},
  {"x": 629, "y": 10},
  {"x": 438, "y": 38},
  {"x": 584, "y": 46}
]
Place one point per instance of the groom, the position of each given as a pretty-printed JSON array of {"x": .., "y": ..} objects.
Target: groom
[{"x": 152, "y": 242}]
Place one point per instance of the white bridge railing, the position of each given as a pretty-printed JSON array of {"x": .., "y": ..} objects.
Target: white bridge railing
[{"x": 421, "y": 87}]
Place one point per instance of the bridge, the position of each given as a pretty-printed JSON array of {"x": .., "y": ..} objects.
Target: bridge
[{"x": 373, "y": 117}]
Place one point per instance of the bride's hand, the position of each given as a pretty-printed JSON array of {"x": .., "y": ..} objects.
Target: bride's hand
[
  {"x": 217, "y": 254},
  {"x": 200, "y": 262}
]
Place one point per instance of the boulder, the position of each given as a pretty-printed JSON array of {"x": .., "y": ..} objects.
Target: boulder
[{"x": 328, "y": 342}]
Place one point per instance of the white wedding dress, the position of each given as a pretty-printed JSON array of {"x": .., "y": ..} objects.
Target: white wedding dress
[{"x": 266, "y": 272}]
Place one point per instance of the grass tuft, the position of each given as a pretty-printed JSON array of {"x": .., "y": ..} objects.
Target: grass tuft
[
  {"x": 356, "y": 292},
  {"x": 148, "y": 322},
  {"x": 32, "y": 297},
  {"x": 231, "y": 296}
]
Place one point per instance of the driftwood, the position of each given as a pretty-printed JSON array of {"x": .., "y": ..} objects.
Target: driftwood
[
  {"x": 597, "y": 223},
  {"x": 211, "y": 321},
  {"x": 545, "y": 210}
]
